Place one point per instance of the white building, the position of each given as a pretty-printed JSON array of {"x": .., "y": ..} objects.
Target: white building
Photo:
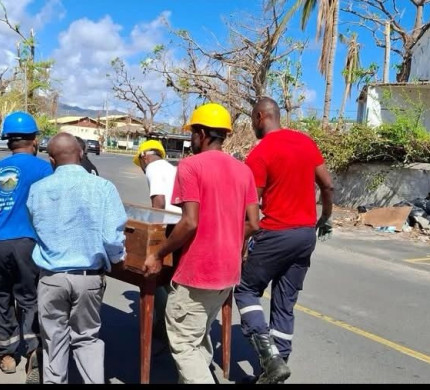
[
  {"x": 84, "y": 127},
  {"x": 380, "y": 103}
]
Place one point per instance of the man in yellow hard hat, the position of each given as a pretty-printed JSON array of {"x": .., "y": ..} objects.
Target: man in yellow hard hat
[
  {"x": 160, "y": 175},
  {"x": 151, "y": 157},
  {"x": 216, "y": 193}
]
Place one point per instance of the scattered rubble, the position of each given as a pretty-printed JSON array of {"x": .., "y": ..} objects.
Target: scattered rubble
[{"x": 349, "y": 219}]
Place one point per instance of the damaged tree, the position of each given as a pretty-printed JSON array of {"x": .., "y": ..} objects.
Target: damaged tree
[
  {"x": 126, "y": 88},
  {"x": 30, "y": 74},
  {"x": 236, "y": 76},
  {"x": 373, "y": 16}
]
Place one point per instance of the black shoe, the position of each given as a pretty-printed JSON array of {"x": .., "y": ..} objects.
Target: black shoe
[
  {"x": 274, "y": 368},
  {"x": 263, "y": 378},
  {"x": 275, "y": 371}
]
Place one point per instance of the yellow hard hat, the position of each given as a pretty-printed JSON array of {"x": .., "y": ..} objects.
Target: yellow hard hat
[
  {"x": 151, "y": 144},
  {"x": 210, "y": 115}
]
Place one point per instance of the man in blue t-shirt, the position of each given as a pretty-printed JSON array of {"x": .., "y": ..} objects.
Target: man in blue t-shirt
[{"x": 18, "y": 272}]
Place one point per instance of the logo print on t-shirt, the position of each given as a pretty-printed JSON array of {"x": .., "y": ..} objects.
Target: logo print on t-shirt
[{"x": 9, "y": 178}]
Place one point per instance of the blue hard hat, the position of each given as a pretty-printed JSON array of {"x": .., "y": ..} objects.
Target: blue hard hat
[{"x": 19, "y": 124}]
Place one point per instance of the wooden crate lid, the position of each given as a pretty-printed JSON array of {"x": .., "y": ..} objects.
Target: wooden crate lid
[{"x": 150, "y": 215}]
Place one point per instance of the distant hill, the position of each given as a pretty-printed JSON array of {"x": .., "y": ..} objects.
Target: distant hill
[{"x": 66, "y": 110}]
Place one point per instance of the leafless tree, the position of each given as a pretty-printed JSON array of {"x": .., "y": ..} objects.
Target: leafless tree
[
  {"x": 3, "y": 81},
  {"x": 235, "y": 75},
  {"x": 373, "y": 16},
  {"x": 127, "y": 89}
]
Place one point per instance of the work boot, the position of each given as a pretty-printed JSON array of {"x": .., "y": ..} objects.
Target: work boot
[
  {"x": 275, "y": 370},
  {"x": 33, "y": 367},
  {"x": 253, "y": 379},
  {"x": 8, "y": 364}
]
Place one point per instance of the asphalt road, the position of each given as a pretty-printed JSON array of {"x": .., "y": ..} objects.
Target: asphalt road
[{"x": 362, "y": 317}]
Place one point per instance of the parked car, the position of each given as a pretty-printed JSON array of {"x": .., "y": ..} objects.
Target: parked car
[
  {"x": 3, "y": 144},
  {"x": 43, "y": 144},
  {"x": 93, "y": 146}
]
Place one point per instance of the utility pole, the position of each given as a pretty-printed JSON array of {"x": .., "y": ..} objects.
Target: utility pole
[
  {"x": 22, "y": 65},
  {"x": 107, "y": 122},
  {"x": 25, "y": 87},
  {"x": 387, "y": 51}
]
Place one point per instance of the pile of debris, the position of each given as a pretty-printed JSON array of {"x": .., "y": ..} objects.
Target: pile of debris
[
  {"x": 408, "y": 219},
  {"x": 402, "y": 216},
  {"x": 239, "y": 143}
]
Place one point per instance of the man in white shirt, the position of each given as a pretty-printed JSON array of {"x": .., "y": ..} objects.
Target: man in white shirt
[
  {"x": 159, "y": 173},
  {"x": 151, "y": 158}
]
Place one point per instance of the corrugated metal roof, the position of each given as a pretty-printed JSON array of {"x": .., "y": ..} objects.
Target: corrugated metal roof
[
  {"x": 67, "y": 119},
  {"x": 103, "y": 118}
]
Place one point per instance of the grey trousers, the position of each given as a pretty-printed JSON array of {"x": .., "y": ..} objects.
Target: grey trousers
[
  {"x": 69, "y": 317},
  {"x": 189, "y": 316}
]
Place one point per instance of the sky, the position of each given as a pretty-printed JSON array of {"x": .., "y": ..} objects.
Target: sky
[{"x": 83, "y": 36}]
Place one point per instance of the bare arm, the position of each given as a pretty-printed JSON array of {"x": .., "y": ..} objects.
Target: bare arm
[
  {"x": 251, "y": 222},
  {"x": 324, "y": 182},
  {"x": 260, "y": 191},
  {"x": 183, "y": 231},
  {"x": 252, "y": 219},
  {"x": 158, "y": 201}
]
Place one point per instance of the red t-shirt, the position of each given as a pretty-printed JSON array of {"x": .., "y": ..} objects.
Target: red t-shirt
[
  {"x": 284, "y": 163},
  {"x": 223, "y": 186}
]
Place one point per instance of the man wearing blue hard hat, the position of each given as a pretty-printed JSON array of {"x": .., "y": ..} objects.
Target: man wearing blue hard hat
[{"x": 18, "y": 273}]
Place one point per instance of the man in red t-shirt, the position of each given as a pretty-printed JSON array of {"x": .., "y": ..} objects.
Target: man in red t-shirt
[
  {"x": 216, "y": 193},
  {"x": 286, "y": 164}
]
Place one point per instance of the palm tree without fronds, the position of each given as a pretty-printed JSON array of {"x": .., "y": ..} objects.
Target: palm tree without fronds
[
  {"x": 327, "y": 26},
  {"x": 352, "y": 66}
]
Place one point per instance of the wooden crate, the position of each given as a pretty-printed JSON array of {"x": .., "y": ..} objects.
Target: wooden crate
[{"x": 145, "y": 231}]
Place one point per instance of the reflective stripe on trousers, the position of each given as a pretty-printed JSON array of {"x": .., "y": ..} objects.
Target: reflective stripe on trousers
[
  {"x": 281, "y": 258},
  {"x": 18, "y": 296}
]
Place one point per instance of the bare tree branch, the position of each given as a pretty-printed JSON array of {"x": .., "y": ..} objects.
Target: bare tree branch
[
  {"x": 237, "y": 75},
  {"x": 372, "y": 15},
  {"x": 126, "y": 89}
]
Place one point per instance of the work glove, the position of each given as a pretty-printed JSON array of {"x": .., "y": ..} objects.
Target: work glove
[{"x": 324, "y": 228}]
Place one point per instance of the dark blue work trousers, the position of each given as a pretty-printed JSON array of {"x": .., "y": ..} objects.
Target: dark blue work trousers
[
  {"x": 19, "y": 276},
  {"x": 281, "y": 257}
]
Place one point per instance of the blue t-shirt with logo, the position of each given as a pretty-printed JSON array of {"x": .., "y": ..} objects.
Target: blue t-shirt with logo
[{"x": 17, "y": 173}]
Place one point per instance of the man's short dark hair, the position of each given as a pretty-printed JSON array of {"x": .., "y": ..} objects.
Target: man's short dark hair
[
  {"x": 14, "y": 143},
  {"x": 215, "y": 134}
]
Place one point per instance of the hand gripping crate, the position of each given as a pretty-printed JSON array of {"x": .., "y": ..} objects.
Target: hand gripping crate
[{"x": 145, "y": 231}]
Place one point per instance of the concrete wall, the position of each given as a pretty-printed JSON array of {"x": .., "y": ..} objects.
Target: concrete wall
[{"x": 381, "y": 184}]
